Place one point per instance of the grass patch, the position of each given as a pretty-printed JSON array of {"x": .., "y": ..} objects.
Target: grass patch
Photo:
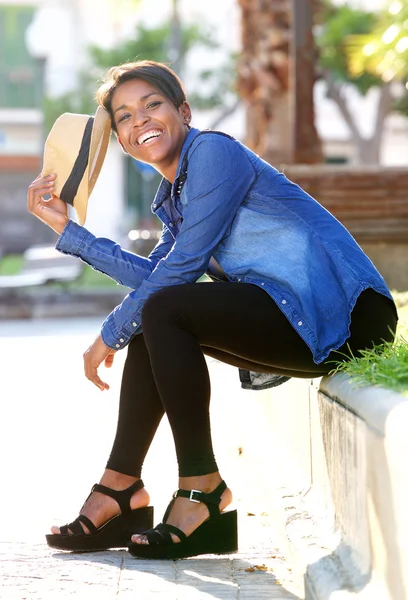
[
  {"x": 91, "y": 279},
  {"x": 385, "y": 365},
  {"x": 11, "y": 264}
]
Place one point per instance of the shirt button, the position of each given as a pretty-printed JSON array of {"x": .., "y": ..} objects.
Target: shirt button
[
  {"x": 134, "y": 324},
  {"x": 239, "y": 278},
  {"x": 171, "y": 224},
  {"x": 300, "y": 323},
  {"x": 117, "y": 345},
  {"x": 121, "y": 340},
  {"x": 262, "y": 283},
  {"x": 283, "y": 301}
]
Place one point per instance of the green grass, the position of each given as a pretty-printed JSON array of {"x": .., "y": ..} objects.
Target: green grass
[
  {"x": 385, "y": 365},
  {"x": 89, "y": 279},
  {"x": 11, "y": 264}
]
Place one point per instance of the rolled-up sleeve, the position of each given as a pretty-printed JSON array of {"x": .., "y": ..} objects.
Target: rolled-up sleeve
[
  {"x": 219, "y": 177},
  {"x": 104, "y": 255}
]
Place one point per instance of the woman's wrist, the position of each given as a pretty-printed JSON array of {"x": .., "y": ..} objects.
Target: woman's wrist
[{"x": 59, "y": 228}]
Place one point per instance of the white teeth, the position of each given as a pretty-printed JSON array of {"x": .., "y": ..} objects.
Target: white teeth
[{"x": 153, "y": 133}]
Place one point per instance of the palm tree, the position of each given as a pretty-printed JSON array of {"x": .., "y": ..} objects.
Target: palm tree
[{"x": 267, "y": 84}]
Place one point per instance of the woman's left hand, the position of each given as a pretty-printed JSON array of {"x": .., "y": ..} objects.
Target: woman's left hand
[{"x": 96, "y": 354}]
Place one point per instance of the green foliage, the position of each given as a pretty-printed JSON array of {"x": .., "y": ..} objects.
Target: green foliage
[
  {"x": 152, "y": 44},
  {"x": 384, "y": 50},
  {"x": 335, "y": 33},
  {"x": 385, "y": 365}
]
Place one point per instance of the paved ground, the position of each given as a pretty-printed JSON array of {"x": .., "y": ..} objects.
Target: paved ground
[{"x": 55, "y": 434}]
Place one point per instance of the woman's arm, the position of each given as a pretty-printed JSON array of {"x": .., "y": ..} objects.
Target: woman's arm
[{"x": 104, "y": 255}]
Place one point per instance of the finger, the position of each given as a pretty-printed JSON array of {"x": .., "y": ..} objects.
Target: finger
[
  {"x": 91, "y": 373},
  {"x": 96, "y": 380},
  {"x": 40, "y": 179},
  {"x": 40, "y": 187}
]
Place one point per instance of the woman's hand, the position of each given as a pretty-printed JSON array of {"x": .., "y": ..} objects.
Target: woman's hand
[
  {"x": 52, "y": 212},
  {"x": 97, "y": 353}
]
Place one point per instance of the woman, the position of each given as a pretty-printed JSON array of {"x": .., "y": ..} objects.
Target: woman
[{"x": 294, "y": 292}]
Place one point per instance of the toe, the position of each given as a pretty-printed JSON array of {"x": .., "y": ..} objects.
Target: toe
[
  {"x": 55, "y": 529},
  {"x": 139, "y": 539}
]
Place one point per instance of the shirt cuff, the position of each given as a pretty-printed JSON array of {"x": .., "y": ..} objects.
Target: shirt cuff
[
  {"x": 73, "y": 239},
  {"x": 115, "y": 340}
]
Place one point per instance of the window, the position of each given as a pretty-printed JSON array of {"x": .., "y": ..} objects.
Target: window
[{"x": 20, "y": 73}]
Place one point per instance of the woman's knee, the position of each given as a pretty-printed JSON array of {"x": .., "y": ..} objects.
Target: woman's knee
[{"x": 161, "y": 307}]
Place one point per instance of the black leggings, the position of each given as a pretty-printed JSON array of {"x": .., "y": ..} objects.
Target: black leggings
[{"x": 239, "y": 324}]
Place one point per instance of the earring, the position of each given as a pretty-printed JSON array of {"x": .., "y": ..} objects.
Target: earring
[{"x": 187, "y": 119}]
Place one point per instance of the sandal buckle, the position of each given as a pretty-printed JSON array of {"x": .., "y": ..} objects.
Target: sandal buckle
[{"x": 195, "y": 492}]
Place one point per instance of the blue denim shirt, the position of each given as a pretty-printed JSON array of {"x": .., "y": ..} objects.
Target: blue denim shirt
[{"x": 261, "y": 228}]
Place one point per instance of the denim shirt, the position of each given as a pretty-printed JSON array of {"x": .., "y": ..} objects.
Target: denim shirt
[{"x": 260, "y": 227}]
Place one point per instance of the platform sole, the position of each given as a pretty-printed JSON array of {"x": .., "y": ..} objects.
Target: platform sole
[
  {"x": 116, "y": 533},
  {"x": 215, "y": 536}
]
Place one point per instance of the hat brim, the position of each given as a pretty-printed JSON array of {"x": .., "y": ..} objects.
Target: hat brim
[{"x": 58, "y": 158}]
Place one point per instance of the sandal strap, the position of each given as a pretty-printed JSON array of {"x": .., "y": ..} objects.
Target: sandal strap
[
  {"x": 122, "y": 497},
  {"x": 88, "y": 523},
  {"x": 211, "y": 500},
  {"x": 76, "y": 526},
  {"x": 160, "y": 535}
]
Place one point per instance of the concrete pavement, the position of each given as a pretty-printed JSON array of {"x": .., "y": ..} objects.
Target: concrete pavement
[{"x": 56, "y": 430}]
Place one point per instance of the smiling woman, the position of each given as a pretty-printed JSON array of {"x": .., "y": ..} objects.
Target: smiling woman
[
  {"x": 150, "y": 116},
  {"x": 291, "y": 292}
]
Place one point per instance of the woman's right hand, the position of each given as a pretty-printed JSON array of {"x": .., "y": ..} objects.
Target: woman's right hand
[{"x": 52, "y": 212}]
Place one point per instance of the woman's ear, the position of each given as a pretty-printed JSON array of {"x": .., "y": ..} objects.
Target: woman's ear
[{"x": 186, "y": 112}]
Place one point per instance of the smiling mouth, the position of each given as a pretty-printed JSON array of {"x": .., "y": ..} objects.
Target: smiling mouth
[{"x": 148, "y": 136}]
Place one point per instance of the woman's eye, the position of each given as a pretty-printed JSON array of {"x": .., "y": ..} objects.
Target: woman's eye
[
  {"x": 123, "y": 118},
  {"x": 153, "y": 104}
]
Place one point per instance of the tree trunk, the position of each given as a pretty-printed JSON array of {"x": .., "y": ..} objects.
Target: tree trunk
[
  {"x": 368, "y": 150},
  {"x": 266, "y": 81},
  {"x": 263, "y": 77}
]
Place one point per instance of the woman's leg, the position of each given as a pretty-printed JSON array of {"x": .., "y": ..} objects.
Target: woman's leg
[
  {"x": 140, "y": 412},
  {"x": 238, "y": 323}
]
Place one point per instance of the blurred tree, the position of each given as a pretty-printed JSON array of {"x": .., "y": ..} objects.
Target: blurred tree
[
  {"x": 365, "y": 50},
  {"x": 263, "y": 77},
  {"x": 168, "y": 42},
  {"x": 384, "y": 50},
  {"x": 273, "y": 34}
]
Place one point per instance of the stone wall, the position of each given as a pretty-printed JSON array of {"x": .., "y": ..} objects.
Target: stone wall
[{"x": 372, "y": 202}]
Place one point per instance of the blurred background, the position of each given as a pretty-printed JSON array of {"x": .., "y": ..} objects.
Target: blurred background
[{"x": 318, "y": 88}]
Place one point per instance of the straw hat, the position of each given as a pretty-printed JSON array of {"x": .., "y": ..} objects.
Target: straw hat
[{"x": 75, "y": 150}]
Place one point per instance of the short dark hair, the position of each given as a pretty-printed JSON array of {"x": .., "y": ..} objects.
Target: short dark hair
[{"x": 158, "y": 74}]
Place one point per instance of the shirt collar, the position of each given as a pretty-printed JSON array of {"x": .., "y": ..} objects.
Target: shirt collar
[{"x": 164, "y": 189}]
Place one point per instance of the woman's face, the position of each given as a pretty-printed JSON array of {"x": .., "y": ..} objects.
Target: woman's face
[{"x": 150, "y": 128}]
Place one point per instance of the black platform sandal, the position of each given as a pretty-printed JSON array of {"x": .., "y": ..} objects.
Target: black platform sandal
[
  {"x": 115, "y": 533},
  {"x": 217, "y": 535}
]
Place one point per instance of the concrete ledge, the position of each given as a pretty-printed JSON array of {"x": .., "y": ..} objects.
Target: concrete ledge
[{"x": 340, "y": 490}]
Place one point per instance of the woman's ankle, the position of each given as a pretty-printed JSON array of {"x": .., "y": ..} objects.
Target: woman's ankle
[
  {"x": 116, "y": 480},
  {"x": 203, "y": 483}
]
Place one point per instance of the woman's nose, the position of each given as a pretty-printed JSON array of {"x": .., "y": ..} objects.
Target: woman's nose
[{"x": 140, "y": 119}]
